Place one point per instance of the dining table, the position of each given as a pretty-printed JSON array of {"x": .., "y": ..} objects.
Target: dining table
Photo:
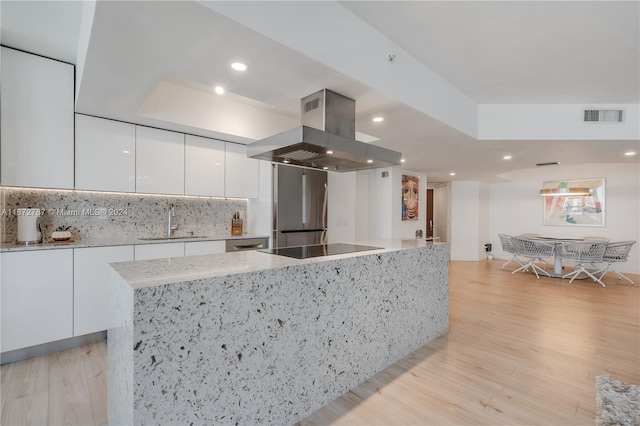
[{"x": 556, "y": 241}]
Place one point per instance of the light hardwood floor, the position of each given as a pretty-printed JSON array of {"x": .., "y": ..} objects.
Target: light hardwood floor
[
  {"x": 64, "y": 388},
  {"x": 519, "y": 351}
]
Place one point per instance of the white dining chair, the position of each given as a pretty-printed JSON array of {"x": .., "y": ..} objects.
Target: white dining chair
[
  {"x": 616, "y": 252},
  {"x": 532, "y": 236},
  {"x": 534, "y": 251},
  {"x": 584, "y": 254},
  {"x": 506, "y": 241}
]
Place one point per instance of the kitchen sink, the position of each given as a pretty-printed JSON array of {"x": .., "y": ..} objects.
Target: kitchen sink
[{"x": 187, "y": 237}]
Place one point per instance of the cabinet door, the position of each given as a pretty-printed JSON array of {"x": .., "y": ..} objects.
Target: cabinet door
[
  {"x": 159, "y": 161},
  {"x": 105, "y": 154},
  {"x": 91, "y": 274},
  {"x": 241, "y": 172},
  {"x": 203, "y": 247},
  {"x": 37, "y": 98},
  {"x": 159, "y": 251},
  {"x": 37, "y": 297},
  {"x": 204, "y": 166}
]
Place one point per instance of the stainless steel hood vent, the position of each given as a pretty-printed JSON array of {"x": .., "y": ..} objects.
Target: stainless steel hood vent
[{"x": 325, "y": 140}]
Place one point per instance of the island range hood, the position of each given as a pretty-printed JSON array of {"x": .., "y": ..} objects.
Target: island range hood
[{"x": 325, "y": 140}]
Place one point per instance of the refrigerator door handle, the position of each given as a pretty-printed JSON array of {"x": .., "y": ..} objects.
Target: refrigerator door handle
[{"x": 304, "y": 199}]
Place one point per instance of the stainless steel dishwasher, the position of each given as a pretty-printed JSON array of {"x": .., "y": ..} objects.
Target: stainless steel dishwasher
[{"x": 241, "y": 244}]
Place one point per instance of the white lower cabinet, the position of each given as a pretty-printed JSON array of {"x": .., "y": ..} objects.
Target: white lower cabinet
[
  {"x": 91, "y": 275},
  {"x": 37, "y": 297},
  {"x": 159, "y": 251},
  {"x": 203, "y": 247}
]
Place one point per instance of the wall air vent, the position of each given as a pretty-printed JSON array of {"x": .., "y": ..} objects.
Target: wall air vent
[
  {"x": 603, "y": 115},
  {"x": 552, "y": 163},
  {"x": 311, "y": 105}
]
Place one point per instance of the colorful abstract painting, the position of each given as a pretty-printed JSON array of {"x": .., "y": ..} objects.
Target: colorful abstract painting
[{"x": 575, "y": 210}]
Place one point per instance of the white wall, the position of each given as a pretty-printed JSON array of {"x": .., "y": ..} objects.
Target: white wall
[
  {"x": 552, "y": 122},
  {"x": 381, "y": 202},
  {"x": 385, "y": 204},
  {"x": 517, "y": 208},
  {"x": 469, "y": 220},
  {"x": 483, "y": 220},
  {"x": 363, "y": 206},
  {"x": 342, "y": 207}
]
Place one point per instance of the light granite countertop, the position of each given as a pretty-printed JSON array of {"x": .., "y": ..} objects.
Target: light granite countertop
[
  {"x": 261, "y": 339},
  {"x": 155, "y": 272},
  {"x": 104, "y": 242}
]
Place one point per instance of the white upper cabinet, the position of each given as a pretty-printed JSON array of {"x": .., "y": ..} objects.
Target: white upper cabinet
[
  {"x": 37, "y": 98},
  {"x": 241, "y": 174},
  {"x": 204, "y": 166},
  {"x": 159, "y": 161},
  {"x": 105, "y": 154}
]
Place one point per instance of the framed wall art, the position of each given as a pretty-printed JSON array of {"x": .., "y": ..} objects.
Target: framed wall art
[
  {"x": 574, "y": 202},
  {"x": 410, "y": 202}
]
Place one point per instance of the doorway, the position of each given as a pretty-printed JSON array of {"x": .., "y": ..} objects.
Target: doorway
[
  {"x": 437, "y": 215},
  {"x": 429, "y": 224}
]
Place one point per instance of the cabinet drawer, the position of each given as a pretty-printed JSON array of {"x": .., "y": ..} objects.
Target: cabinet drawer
[
  {"x": 159, "y": 251},
  {"x": 203, "y": 247},
  {"x": 246, "y": 244}
]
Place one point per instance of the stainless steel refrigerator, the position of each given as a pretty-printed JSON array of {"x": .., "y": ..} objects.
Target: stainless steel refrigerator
[{"x": 299, "y": 206}]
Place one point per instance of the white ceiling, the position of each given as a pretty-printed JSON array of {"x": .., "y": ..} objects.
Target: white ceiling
[
  {"x": 520, "y": 51},
  {"x": 154, "y": 63}
]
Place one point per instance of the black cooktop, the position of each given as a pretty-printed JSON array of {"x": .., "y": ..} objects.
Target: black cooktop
[{"x": 304, "y": 252}]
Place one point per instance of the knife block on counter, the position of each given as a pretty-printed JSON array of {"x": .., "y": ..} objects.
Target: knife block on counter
[{"x": 236, "y": 226}]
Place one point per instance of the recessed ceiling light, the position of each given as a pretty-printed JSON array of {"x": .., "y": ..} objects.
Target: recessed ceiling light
[
  {"x": 369, "y": 161},
  {"x": 506, "y": 157},
  {"x": 329, "y": 152},
  {"x": 219, "y": 90},
  {"x": 325, "y": 168},
  {"x": 239, "y": 66},
  {"x": 630, "y": 153},
  {"x": 125, "y": 152},
  {"x": 285, "y": 161},
  {"x": 452, "y": 174},
  {"x": 402, "y": 160},
  {"x": 378, "y": 119}
]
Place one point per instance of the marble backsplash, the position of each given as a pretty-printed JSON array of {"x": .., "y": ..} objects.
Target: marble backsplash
[{"x": 117, "y": 215}]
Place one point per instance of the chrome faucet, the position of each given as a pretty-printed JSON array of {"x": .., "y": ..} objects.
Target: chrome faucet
[{"x": 170, "y": 226}]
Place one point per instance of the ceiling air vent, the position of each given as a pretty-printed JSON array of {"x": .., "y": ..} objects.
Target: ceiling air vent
[
  {"x": 602, "y": 115},
  {"x": 552, "y": 163}
]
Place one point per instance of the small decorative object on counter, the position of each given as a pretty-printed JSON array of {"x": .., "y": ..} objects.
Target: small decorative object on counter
[
  {"x": 236, "y": 224},
  {"x": 62, "y": 233}
]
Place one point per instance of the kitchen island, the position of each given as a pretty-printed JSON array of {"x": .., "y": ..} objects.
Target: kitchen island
[{"x": 256, "y": 338}]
